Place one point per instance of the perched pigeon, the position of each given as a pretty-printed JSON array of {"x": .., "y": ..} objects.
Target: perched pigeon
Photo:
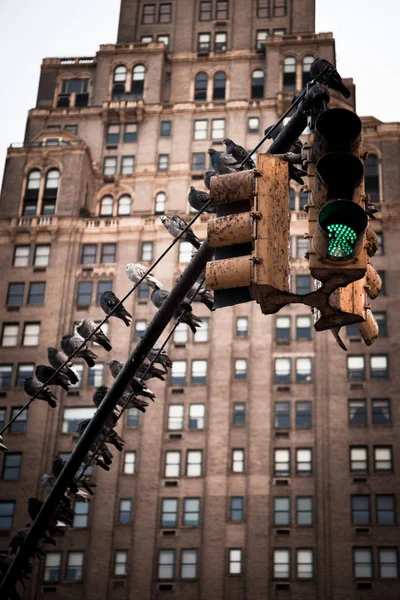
[
  {"x": 294, "y": 173},
  {"x": 331, "y": 77},
  {"x": 70, "y": 343},
  {"x": 135, "y": 272},
  {"x": 163, "y": 359},
  {"x": 175, "y": 225},
  {"x": 196, "y": 294},
  {"x": 239, "y": 154},
  {"x": 19, "y": 538},
  {"x": 108, "y": 301},
  {"x": 198, "y": 199},
  {"x": 159, "y": 296},
  {"x": 56, "y": 359},
  {"x": 97, "y": 448},
  {"x": 47, "y": 482},
  {"x": 99, "y": 395},
  {"x": 222, "y": 162},
  {"x": 136, "y": 386},
  {"x": 32, "y": 387},
  {"x": 207, "y": 178},
  {"x": 146, "y": 374},
  {"x": 3, "y": 448},
  {"x": 63, "y": 515},
  {"x": 43, "y": 374},
  {"x": 86, "y": 328}
]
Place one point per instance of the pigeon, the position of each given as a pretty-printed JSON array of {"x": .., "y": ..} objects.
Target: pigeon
[
  {"x": 198, "y": 199},
  {"x": 371, "y": 209},
  {"x": 70, "y": 343},
  {"x": 99, "y": 395},
  {"x": 145, "y": 373},
  {"x": 108, "y": 301},
  {"x": 158, "y": 297},
  {"x": 47, "y": 482},
  {"x": 86, "y": 327},
  {"x": 331, "y": 77},
  {"x": 62, "y": 517},
  {"x": 56, "y": 359},
  {"x": 175, "y": 225},
  {"x": 162, "y": 357},
  {"x": 3, "y": 448},
  {"x": 32, "y": 386},
  {"x": 20, "y": 536},
  {"x": 135, "y": 272},
  {"x": 294, "y": 173},
  {"x": 222, "y": 162},
  {"x": 136, "y": 386},
  {"x": 196, "y": 294},
  {"x": 207, "y": 178},
  {"x": 57, "y": 467},
  {"x": 238, "y": 153},
  {"x": 98, "y": 446},
  {"x": 44, "y": 373}
]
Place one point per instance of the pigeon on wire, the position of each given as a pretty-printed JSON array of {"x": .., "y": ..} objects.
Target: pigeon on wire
[
  {"x": 43, "y": 373},
  {"x": 294, "y": 173},
  {"x": 239, "y": 154},
  {"x": 135, "y": 272},
  {"x": 127, "y": 396},
  {"x": 175, "y": 225},
  {"x": 70, "y": 343},
  {"x": 32, "y": 387},
  {"x": 108, "y": 301},
  {"x": 137, "y": 387},
  {"x": 159, "y": 296},
  {"x": 86, "y": 328},
  {"x": 106, "y": 435},
  {"x": 62, "y": 517},
  {"x": 331, "y": 77},
  {"x": 56, "y": 359},
  {"x": 163, "y": 359},
  {"x": 146, "y": 373},
  {"x": 3, "y": 448},
  {"x": 196, "y": 294},
  {"x": 98, "y": 447},
  {"x": 207, "y": 178},
  {"x": 198, "y": 199},
  {"x": 222, "y": 162},
  {"x": 85, "y": 482},
  {"x": 18, "y": 539}
]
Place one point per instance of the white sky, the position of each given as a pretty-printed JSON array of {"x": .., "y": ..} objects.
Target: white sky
[{"x": 30, "y": 30}]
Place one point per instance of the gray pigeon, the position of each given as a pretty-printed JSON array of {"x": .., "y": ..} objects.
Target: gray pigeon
[
  {"x": 222, "y": 162},
  {"x": 96, "y": 447},
  {"x": 196, "y": 294},
  {"x": 239, "y": 153},
  {"x": 175, "y": 225},
  {"x": 207, "y": 178},
  {"x": 158, "y": 297},
  {"x": 136, "y": 386},
  {"x": 87, "y": 326},
  {"x": 56, "y": 359},
  {"x": 70, "y": 343},
  {"x": 32, "y": 387},
  {"x": 331, "y": 77},
  {"x": 294, "y": 173},
  {"x": 198, "y": 199},
  {"x": 108, "y": 301},
  {"x": 135, "y": 272},
  {"x": 47, "y": 482},
  {"x": 44, "y": 373},
  {"x": 163, "y": 359}
]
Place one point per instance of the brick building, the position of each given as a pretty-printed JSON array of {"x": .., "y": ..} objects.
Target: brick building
[{"x": 267, "y": 466}]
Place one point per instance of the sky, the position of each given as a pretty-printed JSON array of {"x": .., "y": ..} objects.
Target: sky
[{"x": 30, "y": 30}]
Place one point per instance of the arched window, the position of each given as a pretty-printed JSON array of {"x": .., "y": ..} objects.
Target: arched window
[
  {"x": 257, "y": 84},
  {"x": 289, "y": 74},
  {"x": 32, "y": 192},
  {"x": 159, "y": 208},
  {"x": 307, "y": 62},
  {"x": 106, "y": 206},
  {"x": 50, "y": 192},
  {"x": 119, "y": 82},
  {"x": 138, "y": 74},
  {"x": 371, "y": 168},
  {"x": 200, "y": 86},
  {"x": 219, "y": 87},
  {"x": 124, "y": 205}
]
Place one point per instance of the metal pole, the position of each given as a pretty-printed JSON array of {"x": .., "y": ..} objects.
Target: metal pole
[{"x": 151, "y": 335}]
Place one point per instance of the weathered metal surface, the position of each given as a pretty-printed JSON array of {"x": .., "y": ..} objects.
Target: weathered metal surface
[
  {"x": 228, "y": 273},
  {"x": 232, "y": 229},
  {"x": 373, "y": 282},
  {"x": 372, "y": 241},
  {"x": 232, "y": 187},
  {"x": 369, "y": 328}
]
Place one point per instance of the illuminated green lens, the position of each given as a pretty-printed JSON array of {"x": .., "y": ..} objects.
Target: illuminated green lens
[{"x": 341, "y": 240}]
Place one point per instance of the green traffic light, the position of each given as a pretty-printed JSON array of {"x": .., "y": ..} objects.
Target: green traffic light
[{"x": 342, "y": 239}]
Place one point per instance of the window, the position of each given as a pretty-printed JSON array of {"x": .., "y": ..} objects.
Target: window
[
  {"x": 289, "y": 74},
  {"x": 172, "y": 463},
  {"x": 303, "y": 461},
  {"x": 239, "y": 413},
  {"x": 175, "y": 416},
  {"x": 19, "y": 425},
  {"x": 112, "y": 136},
  {"x": 381, "y": 414},
  {"x": 164, "y": 13},
  {"x": 381, "y": 320},
  {"x": 262, "y": 35},
  {"x": 110, "y": 165},
  {"x": 146, "y": 251},
  {"x": 166, "y": 564},
  {"x": 371, "y": 170},
  {"x": 133, "y": 417},
  {"x": 362, "y": 562},
  {"x": 282, "y": 370},
  {"x": 52, "y": 564},
  {"x": 263, "y": 8},
  {"x": 282, "y": 415},
  {"x": 199, "y": 371},
  {"x": 42, "y": 255},
  {"x": 191, "y": 512},
  {"x": 36, "y": 293},
  {"x": 205, "y": 11},
  {"x": 194, "y": 463},
  {"x": 165, "y": 129},
  {"x": 303, "y": 369},
  {"x": 240, "y": 368},
  {"x": 125, "y": 511},
  {"x": 6, "y": 514},
  {"x": 72, "y": 416},
  {"x": 32, "y": 193},
  {"x": 130, "y": 463},
  {"x": 178, "y": 372},
  {"x": 359, "y": 459},
  {"x": 235, "y": 561},
  {"x": 220, "y": 42},
  {"x": 279, "y": 8},
  {"x": 304, "y": 510},
  {"x": 164, "y": 39},
  {"x": 381, "y": 244},
  {"x": 360, "y": 510},
  {"x": 282, "y": 329},
  {"x": 306, "y": 77},
  {"x": 281, "y": 563},
  {"x": 352, "y": 331},
  {"x": 127, "y": 165},
  {"x": 196, "y": 416},
  {"x": 26, "y": 370},
  {"x": 71, "y": 129},
  {"x": 120, "y": 562},
  {"x": 304, "y": 564},
  {"x": 189, "y": 564},
  {"x": 11, "y": 465},
  {"x": 242, "y": 326},
  {"x": 103, "y": 286},
  {"x": 124, "y": 205},
  {"x": 253, "y": 125},
  {"x": 219, "y": 87},
  {"x": 292, "y": 194},
  {"x": 163, "y": 162},
  {"x": 356, "y": 368},
  {"x": 185, "y": 252},
  {"x": 198, "y": 161},
  {"x": 143, "y": 292},
  {"x": 382, "y": 275},
  {"x": 383, "y": 462},
  {"x": 74, "y": 566},
  {"x": 10, "y": 334},
  {"x": 357, "y": 412},
  {"x": 204, "y": 43},
  {"x": 181, "y": 334},
  {"x": 388, "y": 563},
  {"x": 303, "y": 415},
  {"x": 379, "y": 366},
  {"x": 281, "y": 462},
  {"x": 236, "y": 508},
  {"x": 140, "y": 327},
  {"x": 50, "y": 192},
  {"x": 257, "y": 84},
  {"x": 21, "y": 256},
  {"x": 238, "y": 461},
  {"x": 31, "y": 334},
  {"x": 200, "y": 86},
  {"x": 15, "y": 295},
  {"x": 84, "y": 293},
  {"x": 303, "y": 328},
  {"x": 385, "y": 509},
  {"x": 218, "y": 129},
  {"x": 303, "y": 284},
  {"x": 89, "y": 254},
  {"x": 302, "y": 246},
  {"x": 130, "y": 132},
  {"x": 200, "y": 129},
  {"x": 108, "y": 253},
  {"x": 149, "y": 14},
  {"x": 169, "y": 512},
  {"x": 2, "y": 417},
  {"x": 81, "y": 517},
  {"x": 201, "y": 334},
  {"x": 281, "y": 512},
  {"x": 106, "y": 206},
  {"x": 95, "y": 375},
  {"x": 5, "y": 377}
]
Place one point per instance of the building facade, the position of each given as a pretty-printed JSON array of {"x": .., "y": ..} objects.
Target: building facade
[{"x": 267, "y": 467}]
